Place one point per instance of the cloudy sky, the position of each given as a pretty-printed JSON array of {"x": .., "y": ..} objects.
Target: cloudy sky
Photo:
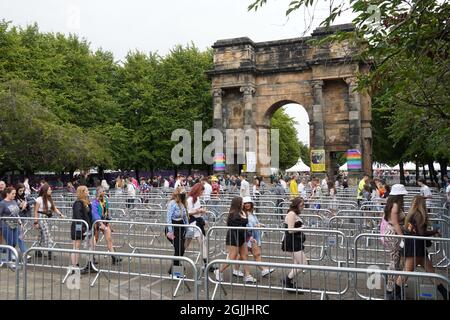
[{"x": 158, "y": 25}]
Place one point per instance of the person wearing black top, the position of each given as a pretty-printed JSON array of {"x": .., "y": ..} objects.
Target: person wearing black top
[
  {"x": 294, "y": 240},
  {"x": 415, "y": 250},
  {"x": 236, "y": 239},
  {"x": 82, "y": 210},
  {"x": 24, "y": 206}
]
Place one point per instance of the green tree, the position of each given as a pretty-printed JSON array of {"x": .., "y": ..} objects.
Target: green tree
[
  {"x": 290, "y": 148},
  {"x": 407, "y": 47}
]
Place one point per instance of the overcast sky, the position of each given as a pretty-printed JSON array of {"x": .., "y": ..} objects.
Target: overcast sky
[{"x": 158, "y": 25}]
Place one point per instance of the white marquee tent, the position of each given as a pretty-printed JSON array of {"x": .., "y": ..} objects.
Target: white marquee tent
[
  {"x": 375, "y": 166},
  {"x": 299, "y": 167}
]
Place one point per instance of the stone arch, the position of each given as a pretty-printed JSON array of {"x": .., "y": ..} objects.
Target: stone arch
[{"x": 251, "y": 80}]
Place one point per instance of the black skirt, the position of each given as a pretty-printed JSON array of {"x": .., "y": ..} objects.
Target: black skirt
[
  {"x": 293, "y": 242},
  {"x": 235, "y": 238},
  {"x": 78, "y": 231},
  {"x": 416, "y": 247}
]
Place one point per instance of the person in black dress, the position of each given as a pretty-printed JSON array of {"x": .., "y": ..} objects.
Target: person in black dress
[
  {"x": 236, "y": 239},
  {"x": 415, "y": 253},
  {"x": 294, "y": 240}
]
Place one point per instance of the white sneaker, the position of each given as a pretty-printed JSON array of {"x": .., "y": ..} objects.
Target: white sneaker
[
  {"x": 250, "y": 278},
  {"x": 238, "y": 273},
  {"x": 265, "y": 272},
  {"x": 218, "y": 275}
]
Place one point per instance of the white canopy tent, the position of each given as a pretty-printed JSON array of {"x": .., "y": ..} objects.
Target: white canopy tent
[
  {"x": 375, "y": 166},
  {"x": 437, "y": 167},
  {"x": 299, "y": 167},
  {"x": 406, "y": 166},
  {"x": 380, "y": 166}
]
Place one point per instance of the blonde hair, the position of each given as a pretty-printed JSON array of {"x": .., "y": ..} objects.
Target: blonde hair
[
  {"x": 177, "y": 198},
  {"x": 119, "y": 182},
  {"x": 418, "y": 209},
  {"x": 82, "y": 196}
]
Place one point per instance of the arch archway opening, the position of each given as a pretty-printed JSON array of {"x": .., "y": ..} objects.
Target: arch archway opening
[{"x": 292, "y": 121}]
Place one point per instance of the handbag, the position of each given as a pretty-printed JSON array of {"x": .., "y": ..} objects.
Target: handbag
[{"x": 166, "y": 231}]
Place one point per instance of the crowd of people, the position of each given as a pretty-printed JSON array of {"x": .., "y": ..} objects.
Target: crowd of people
[{"x": 186, "y": 223}]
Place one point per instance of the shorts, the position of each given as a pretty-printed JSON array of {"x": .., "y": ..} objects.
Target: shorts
[
  {"x": 235, "y": 238},
  {"x": 77, "y": 231},
  {"x": 192, "y": 233}
]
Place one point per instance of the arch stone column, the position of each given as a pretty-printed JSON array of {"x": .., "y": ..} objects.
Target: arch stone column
[
  {"x": 248, "y": 92},
  {"x": 318, "y": 121},
  {"x": 354, "y": 114},
  {"x": 217, "y": 107}
]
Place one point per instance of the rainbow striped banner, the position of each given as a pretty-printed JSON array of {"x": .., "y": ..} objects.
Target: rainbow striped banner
[
  {"x": 219, "y": 162},
  {"x": 354, "y": 160}
]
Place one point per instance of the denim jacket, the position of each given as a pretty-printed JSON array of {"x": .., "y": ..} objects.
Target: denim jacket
[{"x": 174, "y": 212}]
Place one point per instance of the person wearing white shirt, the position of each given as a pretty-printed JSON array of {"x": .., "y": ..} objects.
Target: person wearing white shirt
[
  {"x": 245, "y": 187},
  {"x": 447, "y": 191},
  {"x": 27, "y": 187},
  {"x": 208, "y": 189},
  {"x": 302, "y": 188},
  {"x": 324, "y": 184},
  {"x": 178, "y": 182},
  {"x": 196, "y": 213},
  {"x": 166, "y": 184},
  {"x": 425, "y": 191},
  {"x": 131, "y": 192},
  {"x": 283, "y": 183}
]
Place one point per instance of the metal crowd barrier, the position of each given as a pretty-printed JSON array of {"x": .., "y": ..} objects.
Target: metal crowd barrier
[
  {"x": 148, "y": 237},
  {"x": 59, "y": 229},
  {"x": 9, "y": 273},
  {"x": 138, "y": 276},
  {"x": 318, "y": 282},
  {"x": 324, "y": 246},
  {"x": 368, "y": 250}
]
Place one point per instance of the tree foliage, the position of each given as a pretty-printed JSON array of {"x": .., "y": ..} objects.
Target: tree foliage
[
  {"x": 290, "y": 148},
  {"x": 67, "y": 107},
  {"x": 407, "y": 45}
]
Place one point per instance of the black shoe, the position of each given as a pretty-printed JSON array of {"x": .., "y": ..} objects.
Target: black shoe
[
  {"x": 116, "y": 260},
  {"x": 397, "y": 293},
  {"x": 88, "y": 269},
  {"x": 94, "y": 260},
  {"x": 49, "y": 255},
  {"x": 390, "y": 295},
  {"x": 290, "y": 284},
  {"x": 212, "y": 268},
  {"x": 38, "y": 254},
  {"x": 443, "y": 291}
]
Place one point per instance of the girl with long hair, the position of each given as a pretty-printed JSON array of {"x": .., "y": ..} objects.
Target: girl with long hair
[
  {"x": 25, "y": 211},
  {"x": 416, "y": 224},
  {"x": 236, "y": 239},
  {"x": 254, "y": 236},
  {"x": 177, "y": 214},
  {"x": 393, "y": 222},
  {"x": 44, "y": 208},
  {"x": 82, "y": 210},
  {"x": 294, "y": 240},
  {"x": 100, "y": 214},
  {"x": 196, "y": 212}
]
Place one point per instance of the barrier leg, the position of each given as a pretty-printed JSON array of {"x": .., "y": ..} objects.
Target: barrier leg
[{"x": 178, "y": 287}]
